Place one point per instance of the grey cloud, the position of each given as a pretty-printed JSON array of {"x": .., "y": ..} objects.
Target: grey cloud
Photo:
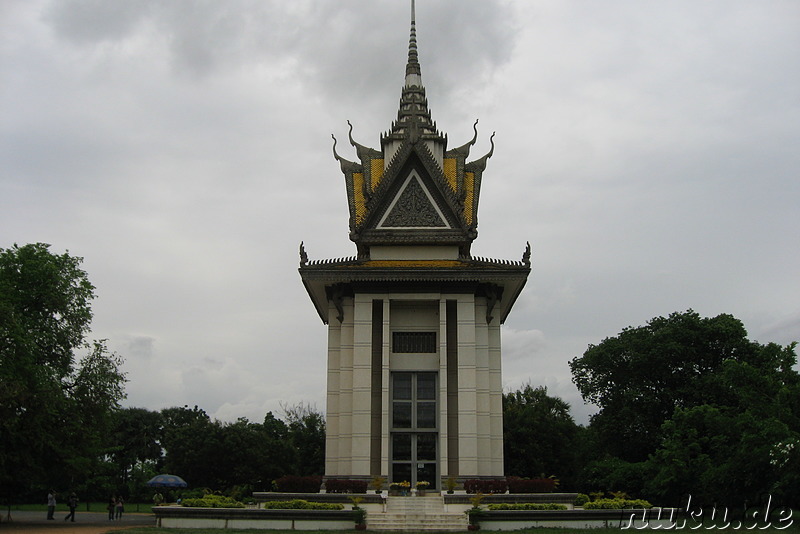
[
  {"x": 343, "y": 38},
  {"x": 647, "y": 151},
  {"x": 89, "y": 22}
]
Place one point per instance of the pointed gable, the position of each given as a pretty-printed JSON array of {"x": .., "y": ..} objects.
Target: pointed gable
[{"x": 413, "y": 207}]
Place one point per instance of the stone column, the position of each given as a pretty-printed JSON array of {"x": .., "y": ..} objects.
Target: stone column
[
  {"x": 468, "y": 388},
  {"x": 361, "y": 386},
  {"x": 332, "y": 402},
  {"x": 496, "y": 399}
]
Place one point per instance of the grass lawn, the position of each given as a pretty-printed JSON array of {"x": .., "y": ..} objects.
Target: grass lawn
[
  {"x": 82, "y": 507},
  {"x": 794, "y": 529},
  {"x": 155, "y": 530}
]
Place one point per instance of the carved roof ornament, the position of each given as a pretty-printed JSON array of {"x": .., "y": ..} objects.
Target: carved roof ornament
[
  {"x": 464, "y": 149},
  {"x": 303, "y": 255},
  {"x": 526, "y": 256}
]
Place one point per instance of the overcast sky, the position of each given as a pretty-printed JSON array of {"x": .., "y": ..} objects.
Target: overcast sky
[{"x": 648, "y": 150}]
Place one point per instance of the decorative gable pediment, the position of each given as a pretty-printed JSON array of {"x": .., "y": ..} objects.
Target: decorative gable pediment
[
  {"x": 413, "y": 205},
  {"x": 413, "y": 208}
]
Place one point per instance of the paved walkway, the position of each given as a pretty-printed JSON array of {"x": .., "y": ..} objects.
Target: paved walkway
[{"x": 85, "y": 522}]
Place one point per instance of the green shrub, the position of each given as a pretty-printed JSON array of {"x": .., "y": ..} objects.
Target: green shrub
[
  {"x": 335, "y": 485},
  {"x": 581, "y": 499},
  {"x": 300, "y": 504},
  {"x": 212, "y": 501},
  {"x": 527, "y": 506},
  {"x": 616, "y": 504},
  {"x": 475, "y": 485}
]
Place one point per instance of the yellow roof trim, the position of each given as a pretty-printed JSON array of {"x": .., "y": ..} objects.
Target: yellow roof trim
[
  {"x": 376, "y": 172},
  {"x": 413, "y": 263},
  {"x": 358, "y": 197},
  {"x": 449, "y": 169}
]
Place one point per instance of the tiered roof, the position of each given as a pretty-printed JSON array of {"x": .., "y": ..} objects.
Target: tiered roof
[
  {"x": 414, "y": 193},
  {"x": 413, "y": 190}
]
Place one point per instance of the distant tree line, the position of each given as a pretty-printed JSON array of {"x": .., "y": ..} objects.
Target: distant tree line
[{"x": 237, "y": 458}]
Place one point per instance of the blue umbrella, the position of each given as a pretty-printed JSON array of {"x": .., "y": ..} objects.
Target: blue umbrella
[{"x": 167, "y": 481}]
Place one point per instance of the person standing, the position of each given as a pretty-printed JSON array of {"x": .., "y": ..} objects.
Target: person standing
[
  {"x": 112, "y": 502},
  {"x": 120, "y": 507},
  {"x": 51, "y": 504},
  {"x": 73, "y": 504}
]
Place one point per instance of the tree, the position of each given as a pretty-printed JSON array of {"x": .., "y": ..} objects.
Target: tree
[
  {"x": 135, "y": 448},
  {"x": 307, "y": 436},
  {"x": 690, "y": 405},
  {"x": 55, "y": 406},
  {"x": 641, "y": 376},
  {"x": 222, "y": 456},
  {"x": 735, "y": 450},
  {"x": 187, "y": 436},
  {"x": 539, "y": 435}
]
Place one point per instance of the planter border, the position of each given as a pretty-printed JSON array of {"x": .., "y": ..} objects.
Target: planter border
[{"x": 188, "y": 517}]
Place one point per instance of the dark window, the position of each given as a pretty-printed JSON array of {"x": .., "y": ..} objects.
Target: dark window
[
  {"x": 401, "y": 444},
  {"x": 401, "y": 414},
  {"x": 426, "y": 415},
  {"x": 402, "y": 386},
  {"x": 426, "y": 448},
  {"x": 405, "y": 342},
  {"x": 426, "y": 386}
]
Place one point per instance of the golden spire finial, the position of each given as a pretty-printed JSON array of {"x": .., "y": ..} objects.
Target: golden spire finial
[{"x": 413, "y": 71}]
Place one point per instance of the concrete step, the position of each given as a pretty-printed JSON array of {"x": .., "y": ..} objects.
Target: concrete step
[
  {"x": 428, "y": 506},
  {"x": 416, "y": 514},
  {"x": 427, "y": 501},
  {"x": 417, "y": 524}
]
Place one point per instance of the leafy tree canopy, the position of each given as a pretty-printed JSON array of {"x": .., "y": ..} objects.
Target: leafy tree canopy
[
  {"x": 539, "y": 435},
  {"x": 689, "y": 405},
  {"x": 55, "y": 405},
  {"x": 640, "y": 377}
]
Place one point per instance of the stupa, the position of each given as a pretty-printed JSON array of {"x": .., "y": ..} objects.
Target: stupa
[{"x": 414, "y": 389}]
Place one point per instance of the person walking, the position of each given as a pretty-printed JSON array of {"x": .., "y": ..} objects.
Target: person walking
[
  {"x": 112, "y": 503},
  {"x": 120, "y": 507},
  {"x": 73, "y": 504},
  {"x": 51, "y": 504}
]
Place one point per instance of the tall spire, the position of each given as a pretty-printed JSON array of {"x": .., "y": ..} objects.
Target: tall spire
[
  {"x": 413, "y": 72},
  {"x": 413, "y": 119}
]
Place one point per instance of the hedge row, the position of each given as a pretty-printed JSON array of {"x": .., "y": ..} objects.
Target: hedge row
[
  {"x": 337, "y": 485},
  {"x": 299, "y": 504},
  {"x": 527, "y": 506},
  {"x": 616, "y": 504},
  {"x": 212, "y": 501}
]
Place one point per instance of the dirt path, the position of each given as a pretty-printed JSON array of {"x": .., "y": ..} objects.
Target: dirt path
[{"x": 85, "y": 523}]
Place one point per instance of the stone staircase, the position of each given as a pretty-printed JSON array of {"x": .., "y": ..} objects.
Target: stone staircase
[{"x": 416, "y": 514}]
